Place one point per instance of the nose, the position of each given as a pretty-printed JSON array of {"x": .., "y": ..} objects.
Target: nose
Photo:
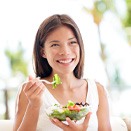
[{"x": 65, "y": 50}]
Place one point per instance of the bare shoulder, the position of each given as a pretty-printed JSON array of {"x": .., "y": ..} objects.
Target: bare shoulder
[{"x": 101, "y": 89}]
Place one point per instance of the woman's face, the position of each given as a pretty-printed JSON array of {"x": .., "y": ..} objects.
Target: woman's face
[{"x": 61, "y": 50}]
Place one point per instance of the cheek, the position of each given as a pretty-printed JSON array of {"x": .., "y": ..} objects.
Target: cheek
[
  {"x": 77, "y": 50},
  {"x": 50, "y": 54},
  {"x": 78, "y": 54}
]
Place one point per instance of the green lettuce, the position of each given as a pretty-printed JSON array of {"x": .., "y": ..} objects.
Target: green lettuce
[{"x": 56, "y": 81}]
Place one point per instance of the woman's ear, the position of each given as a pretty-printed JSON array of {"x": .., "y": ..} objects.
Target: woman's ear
[{"x": 42, "y": 53}]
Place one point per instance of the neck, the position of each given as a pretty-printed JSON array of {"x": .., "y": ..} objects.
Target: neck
[{"x": 68, "y": 80}]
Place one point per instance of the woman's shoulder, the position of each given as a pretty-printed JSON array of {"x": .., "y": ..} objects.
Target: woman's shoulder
[
  {"x": 102, "y": 93},
  {"x": 96, "y": 84},
  {"x": 101, "y": 89},
  {"x": 96, "y": 87}
]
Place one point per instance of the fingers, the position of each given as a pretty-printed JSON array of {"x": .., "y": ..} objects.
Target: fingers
[
  {"x": 40, "y": 93},
  {"x": 86, "y": 120},
  {"x": 33, "y": 86},
  {"x": 31, "y": 82},
  {"x": 70, "y": 122},
  {"x": 28, "y": 85},
  {"x": 35, "y": 89},
  {"x": 58, "y": 123}
]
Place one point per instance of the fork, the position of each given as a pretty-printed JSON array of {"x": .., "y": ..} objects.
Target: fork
[{"x": 48, "y": 82}]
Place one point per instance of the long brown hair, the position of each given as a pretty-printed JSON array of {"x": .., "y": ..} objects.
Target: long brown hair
[{"x": 41, "y": 65}]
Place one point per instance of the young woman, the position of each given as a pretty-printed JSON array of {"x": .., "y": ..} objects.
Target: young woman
[{"x": 59, "y": 49}]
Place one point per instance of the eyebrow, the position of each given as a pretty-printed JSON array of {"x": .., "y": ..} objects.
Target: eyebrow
[
  {"x": 54, "y": 41},
  {"x": 71, "y": 38},
  {"x": 59, "y": 41}
]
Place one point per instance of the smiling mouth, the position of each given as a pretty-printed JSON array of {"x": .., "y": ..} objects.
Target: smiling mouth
[{"x": 65, "y": 61}]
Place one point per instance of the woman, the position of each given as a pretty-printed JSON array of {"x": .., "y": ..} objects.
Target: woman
[{"x": 59, "y": 48}]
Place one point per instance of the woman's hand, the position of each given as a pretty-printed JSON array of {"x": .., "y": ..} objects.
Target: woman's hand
[
  {"x": 72, "y": 126},
  {"x": 33, "y": 90}
]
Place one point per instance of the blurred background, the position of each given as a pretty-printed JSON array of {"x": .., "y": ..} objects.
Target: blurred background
[{"x": 106, "y": 30}]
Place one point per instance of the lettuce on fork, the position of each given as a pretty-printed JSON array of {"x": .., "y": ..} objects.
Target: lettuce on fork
[{"x": 56, "y": 81}]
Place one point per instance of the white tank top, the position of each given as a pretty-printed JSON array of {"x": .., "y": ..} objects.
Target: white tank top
[{"x": 44, "y": 124}]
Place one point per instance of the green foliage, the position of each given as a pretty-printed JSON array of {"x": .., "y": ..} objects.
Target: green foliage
[
  {"x": 100, "y": 8},
  {"x": 126, "y": 21},
  {"x": 17, "y": 61},
  {"x": 116, "y": 79},
  {"x": 127, "y": 18}
]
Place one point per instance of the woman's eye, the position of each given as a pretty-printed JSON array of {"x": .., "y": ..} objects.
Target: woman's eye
[
  {"x": 73, "y": 42},
  {"x": 54, "y": 45}
]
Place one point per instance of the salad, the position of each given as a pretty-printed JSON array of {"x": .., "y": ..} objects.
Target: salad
[{"x": 75, "y": 111}]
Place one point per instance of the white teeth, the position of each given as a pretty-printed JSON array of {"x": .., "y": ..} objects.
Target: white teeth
[{"x": 65, "y": 61}]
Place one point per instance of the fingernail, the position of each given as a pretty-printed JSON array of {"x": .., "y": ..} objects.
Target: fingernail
[{"x": 67, "y": 118}]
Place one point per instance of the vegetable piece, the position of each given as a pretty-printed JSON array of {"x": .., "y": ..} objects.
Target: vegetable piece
[
  {"x": 56, "y": 81},
  {"x": 70, "y": 103},
  {"x": 74, "y": 108}
]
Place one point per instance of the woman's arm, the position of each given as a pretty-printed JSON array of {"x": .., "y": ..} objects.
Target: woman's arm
[
  {"x": 28, "y": 105},
  {"x": 103, "y": 110}
]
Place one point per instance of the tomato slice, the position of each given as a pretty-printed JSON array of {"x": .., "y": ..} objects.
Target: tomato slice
[{"x": 74, "y": 108}]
